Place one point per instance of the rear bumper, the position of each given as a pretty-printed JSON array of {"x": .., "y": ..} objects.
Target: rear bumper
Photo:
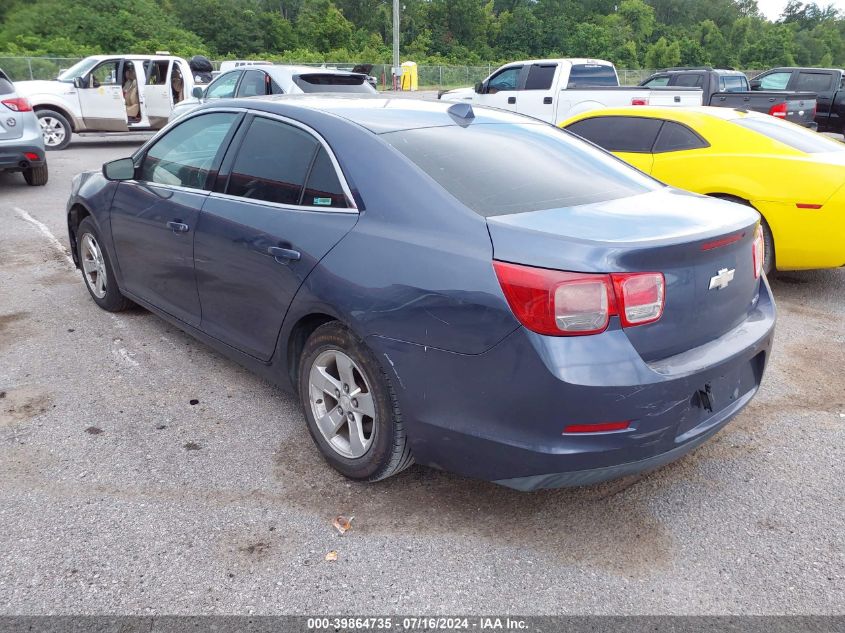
[
  {"x": 500, "y": 415},
  {"x": 13, "y": 156}
]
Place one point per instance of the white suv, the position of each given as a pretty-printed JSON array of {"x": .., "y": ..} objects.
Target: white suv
[{"x": 109, "y": 93}]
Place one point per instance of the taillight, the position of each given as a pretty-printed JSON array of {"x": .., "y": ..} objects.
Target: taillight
[
  {"x": 19, "y": 104},
  {"x": 559, "y": 303},
  {"x": 778, "y": 110},
  {"x": 640, "y": 101},
  {"x": 758, "y": 252},
  {"x": 640, "y": 297}
]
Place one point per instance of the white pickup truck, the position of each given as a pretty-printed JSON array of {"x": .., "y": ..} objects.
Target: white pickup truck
[
  {"x": 555, "y": 89},
  {"x": 108, "y": 93}
]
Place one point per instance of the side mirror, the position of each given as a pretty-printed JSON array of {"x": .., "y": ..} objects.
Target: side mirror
[
  {"x": 120, "y": 169},
  {"x": 479, "y": 87},
  {"x": 78, "y": 82},
  {"x": 755, "y": 84},
  {"x": 197, "y": 92}
]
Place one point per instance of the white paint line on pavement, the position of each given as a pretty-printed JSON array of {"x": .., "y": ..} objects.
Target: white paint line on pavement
[{"x": 23, "y": 215}]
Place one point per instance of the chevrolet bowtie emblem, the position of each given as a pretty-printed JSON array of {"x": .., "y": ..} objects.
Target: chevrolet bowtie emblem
[{"x": 722, "y": 280}]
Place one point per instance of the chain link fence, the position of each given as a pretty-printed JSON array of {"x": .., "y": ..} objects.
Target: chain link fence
[{"x": 430, "y": 77}]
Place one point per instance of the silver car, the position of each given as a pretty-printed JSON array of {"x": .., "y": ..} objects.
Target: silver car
[
  {"x": 21, "y": 140},
  {"x": 262, "y": 80}
]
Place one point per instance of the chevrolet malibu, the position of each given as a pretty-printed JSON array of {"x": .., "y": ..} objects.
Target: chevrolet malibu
[{"x": 463, "y": 288}]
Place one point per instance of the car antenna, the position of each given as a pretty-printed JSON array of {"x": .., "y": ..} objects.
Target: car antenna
[{"x": 462, "y": 111}]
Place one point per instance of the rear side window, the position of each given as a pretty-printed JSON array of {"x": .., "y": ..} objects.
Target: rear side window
[
  {"x": 254, "y": 83},
  {"x": 540, "y": 77},
  {"x": 323, "y": 188},
  {"x": 328, "y": 82},
  {"x": 690, "y": 80},
  {"x": 775, "y": 81},
  {"x": 791, "y": 135},
  {"x": 583, "y": 75},
  {"x": 675, "y": 137},
  {"x": 501, "y": 169},
  {"x": 272, "y": 162},
  {"x": 619, "y": 133},
  {"x": 814, "y": 82},
  {"x": 185, "y": 155}
]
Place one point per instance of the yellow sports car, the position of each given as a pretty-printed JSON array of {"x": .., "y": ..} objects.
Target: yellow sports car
[{"x": 794, "y": 177}]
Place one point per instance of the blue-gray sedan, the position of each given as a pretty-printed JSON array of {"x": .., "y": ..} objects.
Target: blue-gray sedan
[{"x": 468, "y": 289}]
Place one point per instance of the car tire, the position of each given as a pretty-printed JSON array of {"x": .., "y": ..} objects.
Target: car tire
[
  {"x": 768, "y": 239},
  {"x": 768, "y": 249},
  {"x": 97, "y": 271},
  {"x": 36, "y": 176},
  {"x": 55, "y": 128},
  {"x": 334, "y": 368}
]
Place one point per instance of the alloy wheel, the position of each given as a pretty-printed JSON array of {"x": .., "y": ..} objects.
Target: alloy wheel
[
  {"x": 93, "y": 266},
  {"x": 342, "y": 404},
  {"x": 53, "y": 130}
]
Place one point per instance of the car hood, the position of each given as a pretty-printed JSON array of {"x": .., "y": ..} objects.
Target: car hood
[
  {"x": 26, "y": 88},
  {"x": 458, "y": 94}
]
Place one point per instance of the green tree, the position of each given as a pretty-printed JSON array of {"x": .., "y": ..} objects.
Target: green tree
[
  {"x": 321, "y": 26},
  {"x": 663, "y": 54}
]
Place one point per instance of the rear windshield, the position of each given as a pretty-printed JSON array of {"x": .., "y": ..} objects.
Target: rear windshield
[
  {"x": 327, "y": 82},
  {"x": 583, "y": 75},
  {"x": 499, "y": 169},
  {"x": 791, "y": 135}
]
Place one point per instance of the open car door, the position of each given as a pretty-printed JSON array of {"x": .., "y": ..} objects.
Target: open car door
[
  {"x": 101, "y": 98},
  {"x": 158, "y": 101}
]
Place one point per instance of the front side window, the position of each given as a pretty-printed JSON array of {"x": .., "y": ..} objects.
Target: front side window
[
  {"x": 791, "y": 135},
  {"x": 775, "y": 81},
  {"x": 185, "y": 155},
  {"x": 657, "y": 82},
  {"x": 272, "y": 163},
  {"x": 675, "y": 137},
  {"x": 814, "y": 82},
  {"x": 508, "y": 79},
  {"x": 619, "y": 133},
  {"x": 224, "y": 86},
  {"x": 501, "y": 169},
  {"x": 253, "y": 84},
  {"x": 104, "y": 75},
  {"x": 540, "y": 77}
]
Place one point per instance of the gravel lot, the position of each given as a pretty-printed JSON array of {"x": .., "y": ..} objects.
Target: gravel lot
[{"x": 117, "y": 495}]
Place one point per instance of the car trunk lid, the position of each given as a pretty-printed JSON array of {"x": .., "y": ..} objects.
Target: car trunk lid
[{"x": 702, "y": 246}]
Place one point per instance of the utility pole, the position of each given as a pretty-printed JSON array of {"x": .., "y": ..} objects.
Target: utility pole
[{"x": 396, "y": 63}]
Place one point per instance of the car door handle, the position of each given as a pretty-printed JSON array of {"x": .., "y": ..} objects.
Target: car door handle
[
  {"x": 511, "y": 100},
  {"x": 547, "y": 100},
  {"x": 177, "y": 227},
  {"x": 284, "y": 255}
]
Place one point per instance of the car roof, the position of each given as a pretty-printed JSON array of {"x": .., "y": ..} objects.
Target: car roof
[
  {"x": 288, "y": 71},
  {"x": 380, "y": 114},
  {"x": 700, "y": 69},
  {"x": 687, "y": 114}
]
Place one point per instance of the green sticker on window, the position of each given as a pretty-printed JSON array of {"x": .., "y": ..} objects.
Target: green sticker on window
[{"x": 322, "y": 202}]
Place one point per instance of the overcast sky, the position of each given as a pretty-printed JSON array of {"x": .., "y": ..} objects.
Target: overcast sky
[{"x": 773, "y": 8}]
